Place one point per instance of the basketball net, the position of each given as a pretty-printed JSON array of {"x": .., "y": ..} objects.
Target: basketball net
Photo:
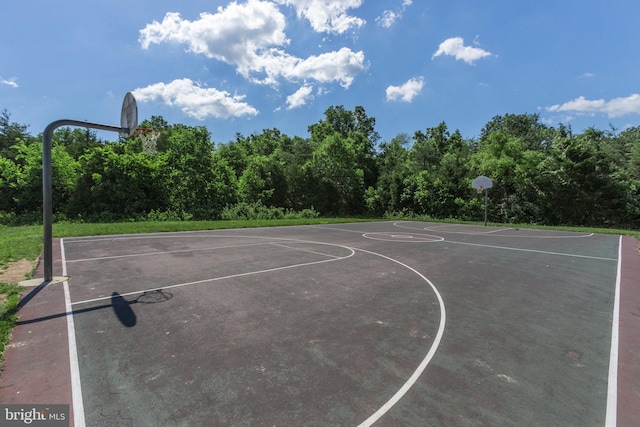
[
  {"x": 479, "y": 188},
  {"x": 149, "y": 138}
]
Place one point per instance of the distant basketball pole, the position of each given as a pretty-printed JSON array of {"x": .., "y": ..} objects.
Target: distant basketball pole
[
  {"x": 482, "y": 183},
  {"x": 128, "y": 124}
]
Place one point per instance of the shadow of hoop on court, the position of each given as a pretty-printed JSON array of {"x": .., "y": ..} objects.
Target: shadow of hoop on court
[{"x": 121, "y": 307}]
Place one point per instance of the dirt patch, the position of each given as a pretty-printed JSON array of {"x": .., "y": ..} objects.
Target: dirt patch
[{"x": 16, "y": 271}]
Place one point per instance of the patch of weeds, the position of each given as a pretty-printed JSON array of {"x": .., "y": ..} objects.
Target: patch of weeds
[{"x": 9, "y": 299}]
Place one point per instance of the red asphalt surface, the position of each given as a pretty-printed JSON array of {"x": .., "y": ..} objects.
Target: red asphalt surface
[
  {"x": 629, "y": 335},
  {"x": 36, "y": 366}
]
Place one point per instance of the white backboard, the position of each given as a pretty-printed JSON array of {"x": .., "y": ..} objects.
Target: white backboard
[
  {"x": 482, "y": 183},
  {"x": 129, "y": 114}
]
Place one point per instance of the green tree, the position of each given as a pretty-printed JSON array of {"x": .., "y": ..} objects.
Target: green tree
[
  {"x": 393, "y": 169},
  {"x": 263, "y": 181},
  {"x": 8, "y": 185},
  {"x": 356, "y": 126},
  {"x": 75, "y": 141},
  {"x": 503, "y": 158},
  {"x": 11, "y": 133},
  {"x": 223, "y": 189},
  {"x": 335, "y": 164},
  {"x": 588, "y": 187},
  {"x": 113, "y": 186},
  {"x": 190, "y": 175},
  {"x": 28, "y": 185},
  {"x": 235, "y": 154},
  {"x": 439, "y": 184},
  {"x": 291, "y": 159},
  {"x": 527, "y": 127}
]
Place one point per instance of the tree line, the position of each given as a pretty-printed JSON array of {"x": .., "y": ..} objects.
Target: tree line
[{"x": 542, "y": 174}]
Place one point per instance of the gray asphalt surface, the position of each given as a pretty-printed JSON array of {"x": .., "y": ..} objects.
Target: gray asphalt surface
[{"x": 392, "y": 323}]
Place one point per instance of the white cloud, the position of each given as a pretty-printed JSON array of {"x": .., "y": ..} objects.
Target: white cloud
[
  {"x": 300, "y": 97},
  {"x": 614, "y": 108},
  {"x": 327, "y": 16},
  {"x": 250, "y": 36},
  {"x": 407, "y": 91},
  {"x": 389, "y": 17},
  {"x": 455, "y": 47},
  {"x": 9, "y": 82},
  {"x": 341, "y": 66},
  {"x": 195, "y": 100},
  {"x": 586, "y": 76},
  {"x": 238, "y": 35}
]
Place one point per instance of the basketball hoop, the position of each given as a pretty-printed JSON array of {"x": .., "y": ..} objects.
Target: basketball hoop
[
  {"x": 482, "y": 183},
  {"x": 149, "y": 138}
]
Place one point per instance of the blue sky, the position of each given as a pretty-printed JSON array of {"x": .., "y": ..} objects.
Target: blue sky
[{"x": 250, "y": 65}]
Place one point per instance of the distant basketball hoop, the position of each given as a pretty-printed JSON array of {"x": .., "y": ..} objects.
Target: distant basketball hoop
[{"x": 482, "y": 183}]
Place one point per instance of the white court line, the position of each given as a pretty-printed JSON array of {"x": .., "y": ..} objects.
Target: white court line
[
  {"x": 145, "y": 236},
  {"x": 482, "y": 233},
  {"x": 337, "y": 229},
  {"x": 612, "y": 388},
  {"x": 532, "y": 250},
  {"x": 166, "y": 252},
  {"x": 231, "y": 276},
  {"x": 305, "y": 250},
  {"x": 193, "y": 234},
  {"x": 441, "y": 227},
  {"x": 435, "y": 226},
  {"x": 427, "y": 359},
  {"x": 494, "y": 231},
  {"x": 76, "y": 386}
]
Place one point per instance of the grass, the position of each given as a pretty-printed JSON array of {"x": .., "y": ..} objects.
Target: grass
[
  {"x": 18, "y": 243},
  {"x": 9, "y": 299},
  {"x": 25, "y": 242}
]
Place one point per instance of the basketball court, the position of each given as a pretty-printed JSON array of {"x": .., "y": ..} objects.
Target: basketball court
[{"x": 387, "y": 323}]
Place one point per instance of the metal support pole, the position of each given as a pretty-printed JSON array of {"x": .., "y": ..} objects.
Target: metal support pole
[
  {"x": 47, "y": 191},
  {"x": 486, "y": 198}
]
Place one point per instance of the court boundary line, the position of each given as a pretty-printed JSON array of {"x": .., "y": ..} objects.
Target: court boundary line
[
  {"x": 74, "y": 366},
  {"x": 612, "y": 387}
]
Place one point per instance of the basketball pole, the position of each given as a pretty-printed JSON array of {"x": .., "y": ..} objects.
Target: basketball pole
[
  {"x": 47, "y": 191},
  {"x": 486, "y": 198}
]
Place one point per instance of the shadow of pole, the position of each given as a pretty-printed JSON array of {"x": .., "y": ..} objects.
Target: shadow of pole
[
  {"x": 24, "y": 301},
  {"x": 121, "y": 306},
  {"x": 123, "y": 310}
]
